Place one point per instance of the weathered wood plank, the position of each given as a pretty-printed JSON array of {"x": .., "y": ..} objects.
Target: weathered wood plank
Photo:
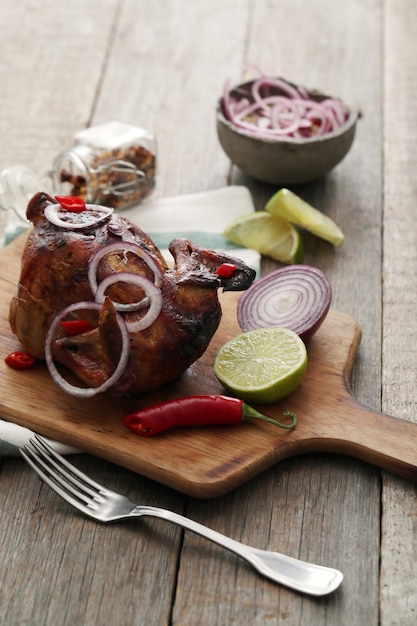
[
  {"x": 165, "y": 73},
  {"x": 52, "y": 59},
  {"x": 342, "y": 517},
  {"x": 399, "y": 543},
  {"x": 58, "y": 568},
  {"x": 162, "y": 65},
  {"x": 61, "y": 568}
]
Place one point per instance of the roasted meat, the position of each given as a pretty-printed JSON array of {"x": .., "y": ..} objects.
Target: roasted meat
[{"x": 55, "y": 274}]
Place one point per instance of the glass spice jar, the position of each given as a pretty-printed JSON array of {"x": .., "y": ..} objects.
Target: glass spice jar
[
  {"x": 113, "y": 164},
  {"x": 17, "y": 185}
]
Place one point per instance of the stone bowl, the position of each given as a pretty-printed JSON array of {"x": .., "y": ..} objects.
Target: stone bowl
[{"x": 283, "y": 161}]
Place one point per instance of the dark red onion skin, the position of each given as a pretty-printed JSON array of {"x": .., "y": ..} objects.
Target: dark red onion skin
[
  {"x": 307, "y": 334},
  {"x": 280, "y": 279}
]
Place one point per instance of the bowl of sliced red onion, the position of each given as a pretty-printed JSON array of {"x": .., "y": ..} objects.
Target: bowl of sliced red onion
[{"x": 282, "y": 133}]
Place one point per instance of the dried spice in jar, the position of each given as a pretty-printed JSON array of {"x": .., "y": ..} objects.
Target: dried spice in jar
[{"x": 113, "y": 164}]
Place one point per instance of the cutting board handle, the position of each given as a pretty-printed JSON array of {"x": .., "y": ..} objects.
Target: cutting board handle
[
  {"x": 383, "y": 440},
  {"x": 332, "y": 419}
]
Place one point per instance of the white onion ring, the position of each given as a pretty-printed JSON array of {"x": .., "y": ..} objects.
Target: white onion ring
[
  {"x": 88, "y": 392},
  {"x": 122, "y": 246},
  {"x": 153, "y": 298},
  {"x": 52, "y": 214},
  {"x": 297, "y": 297}
]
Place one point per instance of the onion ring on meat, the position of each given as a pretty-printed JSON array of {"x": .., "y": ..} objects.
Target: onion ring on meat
[
  {"x": 123, "y": 247},
  {"x": 73, "y": 390},
  {"x": 153, "y": 298},
  {"x": 94, "y": 214}
]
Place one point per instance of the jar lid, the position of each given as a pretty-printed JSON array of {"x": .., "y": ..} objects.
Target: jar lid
[
  {"x": 18, "y": 184},
  {"x": 113, "y": 135}
]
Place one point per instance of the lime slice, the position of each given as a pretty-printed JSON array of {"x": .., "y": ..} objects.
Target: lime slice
[
  {"x": 272, "y": 236},
  {"x": 263, "y": 365},
  {"x": 288, "y": 205}
]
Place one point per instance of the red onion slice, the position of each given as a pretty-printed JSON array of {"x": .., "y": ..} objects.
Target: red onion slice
[
  {"x": 94, "y": 214},
  {"x": 123, "y": 247},
  {"x": 88, "y": 392},
  {"x": 267, "y": 81},
  {"x": 153, "y": 298},
  {"x": 297, "y": 297},
  {"x": 116, "y": 229},
  {"x": 272, "y": 108}
]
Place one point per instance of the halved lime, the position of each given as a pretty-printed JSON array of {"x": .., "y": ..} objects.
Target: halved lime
[
  {"x": 263, "y": 365},
  {"x": 269, "y": 235},
  {"x": 288, "y": 205}
]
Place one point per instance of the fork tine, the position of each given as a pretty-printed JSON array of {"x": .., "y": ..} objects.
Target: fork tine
[
  {"x": 85, "y": 482},
  {"x": 59, "y": 473},
  {"x": 27, "y": 455},
  {"x": 57, "y": 477}
]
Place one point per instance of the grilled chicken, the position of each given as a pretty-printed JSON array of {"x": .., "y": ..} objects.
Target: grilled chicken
[{"x": 54, "y": 275}]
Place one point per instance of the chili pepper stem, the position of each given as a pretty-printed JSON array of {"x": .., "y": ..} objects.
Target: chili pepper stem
[{"x": 249, "y": 411}]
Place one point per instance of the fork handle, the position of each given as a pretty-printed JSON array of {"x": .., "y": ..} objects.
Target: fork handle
[{"x": 307, "y": 578}]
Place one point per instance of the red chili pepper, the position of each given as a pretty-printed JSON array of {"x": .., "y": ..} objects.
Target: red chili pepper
[
  {"x": 76, "y": 327},
  {"x": 71, "y": 203},
  {"x": 195, "y": 411},
  {"x": 20, "y": 360},
  {"x": 225, "y": 270}
]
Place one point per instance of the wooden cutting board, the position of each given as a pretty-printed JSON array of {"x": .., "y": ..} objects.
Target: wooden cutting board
[{"x": 209, "y": 462}]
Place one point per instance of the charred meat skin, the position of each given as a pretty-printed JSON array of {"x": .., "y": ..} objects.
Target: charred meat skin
[{"x": 54, "y": 274}]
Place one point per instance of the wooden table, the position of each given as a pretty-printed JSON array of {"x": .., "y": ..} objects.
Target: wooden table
[{"x": 64, "y": 66}]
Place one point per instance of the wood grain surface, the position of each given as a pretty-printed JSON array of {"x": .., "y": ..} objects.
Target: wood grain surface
[
  {"x": 211, "y": 461},
  {"x": 162, "y": 65}
]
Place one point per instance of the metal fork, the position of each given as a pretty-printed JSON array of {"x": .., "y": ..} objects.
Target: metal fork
[{"x": 105, "y": 505}]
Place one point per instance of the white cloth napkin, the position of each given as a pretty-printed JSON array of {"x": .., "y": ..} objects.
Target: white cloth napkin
[
  {"x": 200, "y": 217},
  {"x": 13, "y": 437}
]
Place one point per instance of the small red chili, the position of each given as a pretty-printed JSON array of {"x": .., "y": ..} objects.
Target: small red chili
[
  {"x": 76, "y": 327},
  {"x": 195, "y": 411},
  {"x": 20, "y": 360},
  {"x": 71, "y": 203},
  {"x": 225, "y": 270}
]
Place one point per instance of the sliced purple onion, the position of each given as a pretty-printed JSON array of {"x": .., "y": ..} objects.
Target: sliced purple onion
[
  {"x": 289, "y": 114},
  {"x": 88, "y": 392},
  {"x": 123, "y": 247},
  {"x": 94, "y": 214},
  {"x": 116, "y": 229},
  {"x": 279, "y": 83},
  {"x": 153, "y": 298},
  {"x": 297, "y": 297}
]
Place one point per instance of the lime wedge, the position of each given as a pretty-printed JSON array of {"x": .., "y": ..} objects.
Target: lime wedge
[
  {"x": 263, "y": 365},
  {"x": 272, "y": 236},
  {"x": 288, "y": 205}
]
